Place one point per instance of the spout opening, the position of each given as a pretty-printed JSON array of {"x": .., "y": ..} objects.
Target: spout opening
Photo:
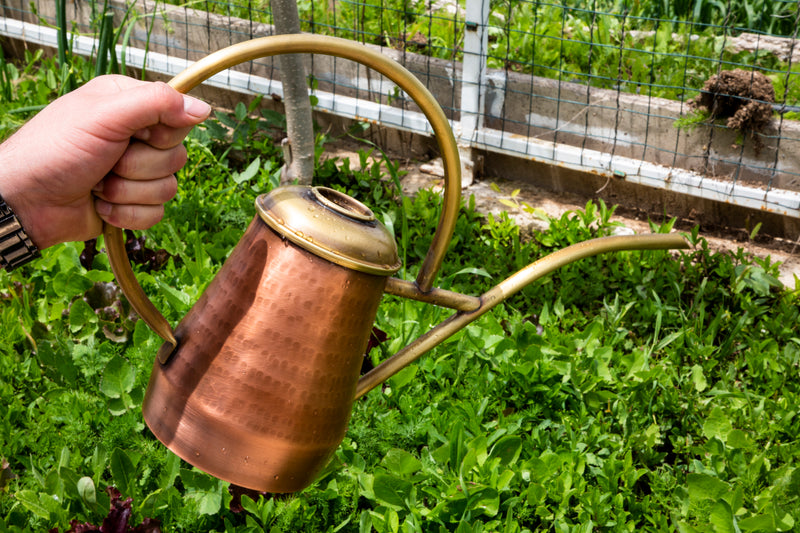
[{"x": 343, "y": 204}]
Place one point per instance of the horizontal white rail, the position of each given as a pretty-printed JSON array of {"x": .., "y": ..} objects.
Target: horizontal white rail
[{"x": 614, "y": 167}]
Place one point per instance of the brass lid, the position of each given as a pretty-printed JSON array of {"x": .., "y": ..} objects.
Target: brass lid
[{"x": 331, "y": 225}]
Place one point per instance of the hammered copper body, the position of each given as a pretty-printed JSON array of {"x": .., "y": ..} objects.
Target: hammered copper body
[{"x": 259, "y": 390}]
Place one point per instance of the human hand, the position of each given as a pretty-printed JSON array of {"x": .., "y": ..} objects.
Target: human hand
[{"x": 107, "y": 151}]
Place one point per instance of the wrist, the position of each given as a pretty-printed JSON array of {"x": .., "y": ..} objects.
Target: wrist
[
  {"x": 16, "y": 244},
  {"x": 16, "y": 247}
]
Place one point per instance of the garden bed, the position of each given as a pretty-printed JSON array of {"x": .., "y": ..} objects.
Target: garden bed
[{"x": 650, "y": 391}]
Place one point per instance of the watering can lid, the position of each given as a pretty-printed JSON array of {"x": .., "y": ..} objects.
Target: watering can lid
[{"x": 331, "y": 225}]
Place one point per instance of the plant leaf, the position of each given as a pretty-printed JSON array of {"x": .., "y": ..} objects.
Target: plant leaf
[
  {"x": 80, "y": 314},
  {"x": 507, "y": 449},
  {"x": 249, "y": 173},
  {"x": 401, "y": 462},
  {"x": 42, "y": 505},
  {"x": 722, "y": 518},
  {"x": 391, "y": 490},
  {"x": 698, "y": 379},
  {"x": 87, "y": 491},
  {"x": 118, "y": 378},
  {"x": 718, "y": 425},
  {"x": 705, "y": 487},
  {"x": 204, "y": 490},
  {"x": 123, "y": 472}
]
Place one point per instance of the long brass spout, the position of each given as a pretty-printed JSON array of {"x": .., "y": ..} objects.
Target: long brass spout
[{"x": 507, "y": 288}]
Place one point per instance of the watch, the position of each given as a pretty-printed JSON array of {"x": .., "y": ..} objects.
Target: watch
[{"x": 16, "y": 248}]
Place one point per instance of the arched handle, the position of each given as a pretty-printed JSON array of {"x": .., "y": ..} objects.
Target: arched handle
[{"x": 308, "y": 44}]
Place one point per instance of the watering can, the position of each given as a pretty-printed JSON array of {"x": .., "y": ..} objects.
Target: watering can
[{"x": 256, "y": 384}]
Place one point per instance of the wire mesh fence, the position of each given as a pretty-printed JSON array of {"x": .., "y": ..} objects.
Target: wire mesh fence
[{"x": 698, "y": 97}]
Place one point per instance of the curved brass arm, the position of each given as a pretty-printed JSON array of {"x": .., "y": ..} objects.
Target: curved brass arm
[{"x": 312, "y": 44}]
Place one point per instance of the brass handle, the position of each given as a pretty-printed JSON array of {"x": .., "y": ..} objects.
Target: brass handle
[{"x": 307, "y": 44}]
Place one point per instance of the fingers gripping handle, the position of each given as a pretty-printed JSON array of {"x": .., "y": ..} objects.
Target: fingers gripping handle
[{"x": 308, "y": 44}]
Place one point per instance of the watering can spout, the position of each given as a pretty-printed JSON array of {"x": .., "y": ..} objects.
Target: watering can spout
[
  {"x": 503, "y": 291},
  {"x": 255, "y": 385}
]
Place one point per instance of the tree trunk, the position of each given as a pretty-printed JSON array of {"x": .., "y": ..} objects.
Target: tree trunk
[{"x": 299, "y": 125}]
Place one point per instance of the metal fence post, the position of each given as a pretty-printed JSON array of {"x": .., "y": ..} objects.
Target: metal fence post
[{"x": 476, "y": 42}]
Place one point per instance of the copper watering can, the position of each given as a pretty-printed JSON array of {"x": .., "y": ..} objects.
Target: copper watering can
[{"x": 256, "y": 384}]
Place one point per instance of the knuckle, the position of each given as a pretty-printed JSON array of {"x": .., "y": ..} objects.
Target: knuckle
[
  {"x": 159, "y": 138},
  {"x": 124, "y": 165},
  {"x": 154, "y": 215},
  {"x": 140, "y": 216},
  {"x": 162, "y": 137},
  {"x": 179, "y": 157},
  {"x": 113, "y": 189},
  {"x": 170, "y": 188},
  {"x": 182, "y": 154},
  {"x": 164, "y": 93}
]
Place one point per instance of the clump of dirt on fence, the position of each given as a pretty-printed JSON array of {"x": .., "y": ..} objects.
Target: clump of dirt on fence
[{"x": 741, "y": 96}]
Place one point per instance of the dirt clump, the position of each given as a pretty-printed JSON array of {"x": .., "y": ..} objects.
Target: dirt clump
[{"x": 741, "y": 96}]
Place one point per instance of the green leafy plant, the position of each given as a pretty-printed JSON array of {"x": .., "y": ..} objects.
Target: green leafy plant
[
  {"x": 646, "y": 390},
  {"x": 28, "y": 87},
  {"x": 660, "y": 48},
  {"x": 691, "y": 120}
]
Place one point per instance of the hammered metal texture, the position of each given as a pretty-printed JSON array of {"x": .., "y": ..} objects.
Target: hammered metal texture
[{"x": 260, "y": 388}]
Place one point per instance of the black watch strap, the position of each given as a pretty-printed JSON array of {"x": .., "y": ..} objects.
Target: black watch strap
[{"x": 16, "y": 248}]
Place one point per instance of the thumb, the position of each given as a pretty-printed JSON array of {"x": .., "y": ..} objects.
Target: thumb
[{"x": 140, "y": 105}]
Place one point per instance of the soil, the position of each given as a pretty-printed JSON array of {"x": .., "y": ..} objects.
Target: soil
[
  {"x": 488, "y": 196},
  {"x": 741, "y": 96}
]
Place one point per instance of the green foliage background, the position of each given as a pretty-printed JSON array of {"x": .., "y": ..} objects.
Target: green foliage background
[
  {"x": 660, "y": 48},
  {"x": 666, "y": 49},
  {"x": 649, "y": 391}
]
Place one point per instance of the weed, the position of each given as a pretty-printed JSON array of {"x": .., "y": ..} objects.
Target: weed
[{"x": 693, "y": 119}]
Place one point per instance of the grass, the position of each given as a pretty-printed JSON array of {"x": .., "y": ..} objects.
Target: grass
[
  {"x": 25, "y": 89},
  {"x": 648, "y": 391}
]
